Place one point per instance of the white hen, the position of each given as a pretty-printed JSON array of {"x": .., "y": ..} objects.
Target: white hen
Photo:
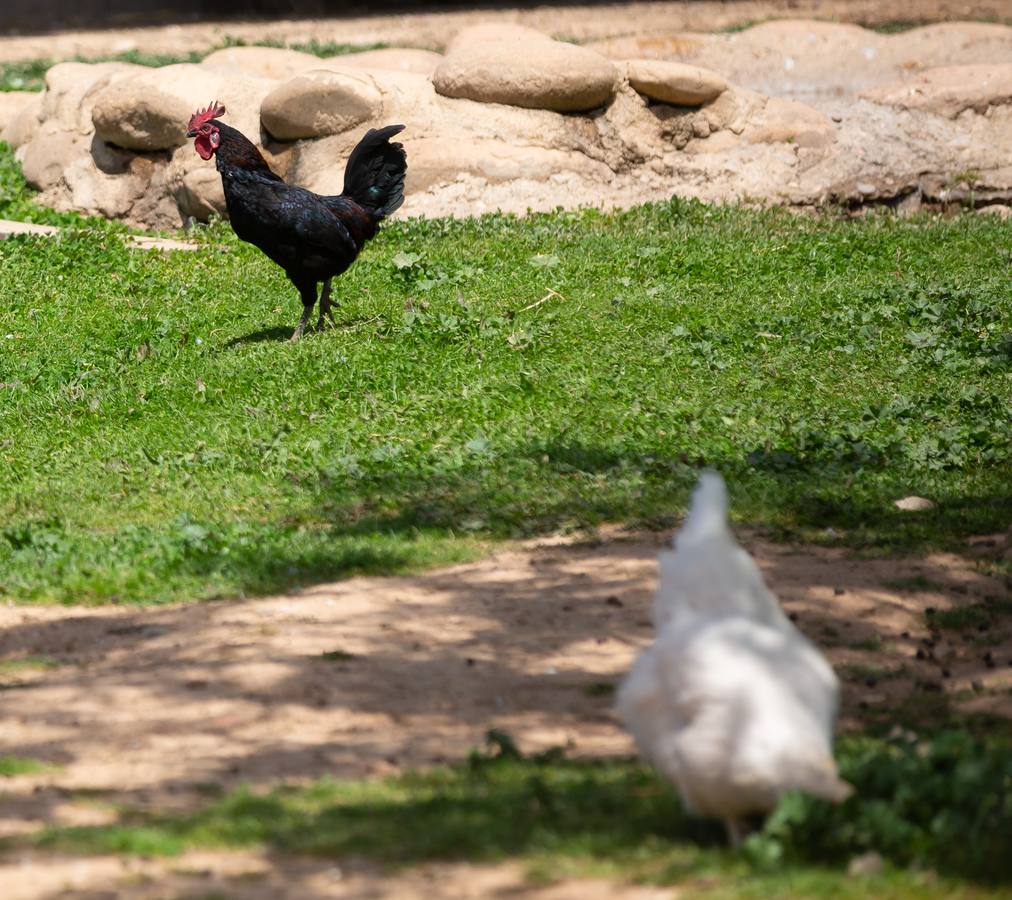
[{"x": 732, "y": 702}]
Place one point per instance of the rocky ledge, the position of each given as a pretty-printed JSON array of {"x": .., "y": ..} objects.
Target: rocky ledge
[{"x": 797, "y": 112}]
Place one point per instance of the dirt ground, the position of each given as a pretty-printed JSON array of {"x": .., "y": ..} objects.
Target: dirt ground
[
  {"x": 435, "y": 29},
  {"x": 150, "y": 706}
]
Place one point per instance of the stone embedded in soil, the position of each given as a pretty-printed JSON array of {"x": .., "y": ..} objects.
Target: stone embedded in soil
[
  {"x": 320, "y": 103},
  {"x": 950, "y": 90},
  {"x": 149, "y": 109},
  {"x": 278, "y": 63},
  {"x": 495, "y": 32},
  {"x": 540, "y": 75},
  {"x": 914, "y": 504},
  {"x": 677, "y": 83},
  {"x": 391, "y": 59}
]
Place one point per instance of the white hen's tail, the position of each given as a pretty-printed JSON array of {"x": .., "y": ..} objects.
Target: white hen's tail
[
  {"x": 707, "y": 516},
  {"x": 707, "y": 573}
]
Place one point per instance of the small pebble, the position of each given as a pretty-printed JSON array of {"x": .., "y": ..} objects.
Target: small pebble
[
  {"x": 905, "y": 634},
  {"x": 613, "y": 601},
  {"x": 838, "y": 591},
  {"x": 866, "y": 864}
]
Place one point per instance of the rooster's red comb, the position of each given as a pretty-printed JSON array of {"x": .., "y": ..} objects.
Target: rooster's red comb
[{"x": 201, "y": 116}]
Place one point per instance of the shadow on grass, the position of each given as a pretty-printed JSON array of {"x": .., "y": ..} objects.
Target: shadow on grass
[
  {"x": 386, "y": 520},
  {"x": 571, "y": 487},
  {"x": 263, "y": 335},
  {"x": 614, "y": 812}
]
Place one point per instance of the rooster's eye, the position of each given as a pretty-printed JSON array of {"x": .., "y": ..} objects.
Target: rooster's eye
[{"x": 215, "y": 139}]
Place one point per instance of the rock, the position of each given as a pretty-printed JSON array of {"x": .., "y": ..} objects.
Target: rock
[
  {"x": 677, "y": 83},
  {"x": 786, "y": 56},
  {"x": 196, "y": 189},
  {"x": 62, "y": 131},
  {"x": 148, "y": 110},
  {"x": 72, "y": 89},
  {"x": 546, "y": 75},
  {"x": 949, "y": 91},
  {"x": 13, "y": 103},
  {"x": 393, "y": 59},
  {"x": 787, "y": 121},
  {"x": 914, "y": 504},
  {"x": 996, "y": 209},
  {"x": 7, "y": 228},
  {"x": 20, "y": 127},
  {"x": 494, "y": 32},
  {"x": 50, "y": 155},
  {"x": 278, "y": 63},
  {"x": 865, "y": 865},
  {"x": 320, "y": 103},
  {"x": 434, "y": 161}
]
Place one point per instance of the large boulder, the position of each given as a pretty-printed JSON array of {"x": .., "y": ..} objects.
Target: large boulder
[
  {"x": 21, "y": 122},
  {"x": 950, "y": 90},
  {"x": 677, "y": 83},
  {"x": 320, "y": 103},
  {"x": 194, "y": 185},
  {"x": 545, "y": 74},
  {"x": 790, "y": 122},
  {"x": 148, "y": 110},
  {"x": 12, "y": 104},
  {"x": 278, "y": 63},
  {"x": 58, "y": 130},
  {"x": 393, "y": 59}
]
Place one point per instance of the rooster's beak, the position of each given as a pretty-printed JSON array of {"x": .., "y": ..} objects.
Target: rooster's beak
[{"x": 192, "y": 133}]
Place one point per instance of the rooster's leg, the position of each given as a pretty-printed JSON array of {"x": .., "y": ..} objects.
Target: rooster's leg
[
  {"x": 325, "y": 306},
  {"x": 308, "y": 294}
]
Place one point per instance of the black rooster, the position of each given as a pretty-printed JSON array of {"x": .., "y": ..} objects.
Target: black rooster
[{"x": 313, "y": 238}]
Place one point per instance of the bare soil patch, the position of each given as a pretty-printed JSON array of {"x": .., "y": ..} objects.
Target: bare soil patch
[{"x": 366, "y": 677}]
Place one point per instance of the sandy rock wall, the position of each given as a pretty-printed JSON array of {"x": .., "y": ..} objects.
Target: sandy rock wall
[{"x": 801, "y": 113}]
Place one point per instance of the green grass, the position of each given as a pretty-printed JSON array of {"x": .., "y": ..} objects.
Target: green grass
[
  {"x": 21, "y": 765},
  {"x": 490, "y": 379},
  {"x": 942, "y": 804},
  {"x": 30, "y": 75},
  {"x": 27, "y": 663},
  {"x": 971, "y": 615}
]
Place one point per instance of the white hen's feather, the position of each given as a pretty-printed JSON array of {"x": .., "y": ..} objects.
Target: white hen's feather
[{"x": 732, "y": 702}]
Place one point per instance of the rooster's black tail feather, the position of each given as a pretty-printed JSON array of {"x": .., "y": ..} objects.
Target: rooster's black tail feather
[{"x": 374, "y": 176}]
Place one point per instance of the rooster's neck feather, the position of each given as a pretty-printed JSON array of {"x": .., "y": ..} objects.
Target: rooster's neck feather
[{"x": 236, "y": 151}]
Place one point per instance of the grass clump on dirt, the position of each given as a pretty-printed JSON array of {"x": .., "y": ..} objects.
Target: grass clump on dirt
[
  {"x": 23, "y": 765},
  {"x": 938, "y": 811},
  {"x": 489, "y": 379}
]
